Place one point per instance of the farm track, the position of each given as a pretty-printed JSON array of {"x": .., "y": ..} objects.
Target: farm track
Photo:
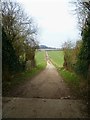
[
  {"x": 48, "y": 84},
  {"x": 46, "y": 95}
]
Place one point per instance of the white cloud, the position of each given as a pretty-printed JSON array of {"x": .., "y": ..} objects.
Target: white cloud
[{"x": 53, "y": 17}]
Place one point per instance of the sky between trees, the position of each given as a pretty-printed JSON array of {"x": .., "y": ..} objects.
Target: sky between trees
[{"x": 55, "y": 21}]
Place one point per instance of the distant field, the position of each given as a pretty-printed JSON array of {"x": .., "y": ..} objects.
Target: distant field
[
  {"x": 40, "y": 59},
  {"x": 57, "y": 57}
]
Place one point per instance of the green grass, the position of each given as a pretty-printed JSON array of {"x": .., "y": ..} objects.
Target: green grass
[
  {"x": 40, "y": 59},
  {"x": 57, "y": 57},
  {"x": 77, "y": 84},
  {"x": 74, "y": 82},
  {"x": 22, "y": 77}
]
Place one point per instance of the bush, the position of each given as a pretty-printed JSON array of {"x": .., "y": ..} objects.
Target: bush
[{"x": 69, "y": 56}]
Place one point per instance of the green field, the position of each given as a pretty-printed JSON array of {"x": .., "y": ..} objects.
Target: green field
[
  {"x": 40, "y": 59},
  {"x": 57, "y": 57}
]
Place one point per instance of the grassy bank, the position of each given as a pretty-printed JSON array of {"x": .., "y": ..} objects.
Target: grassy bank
[
  {"x": 22, "y": 77},
  {"x": 76, "y": 84}
]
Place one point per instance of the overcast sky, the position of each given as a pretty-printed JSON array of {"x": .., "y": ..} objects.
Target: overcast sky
[{"x": 55, "y": 21}]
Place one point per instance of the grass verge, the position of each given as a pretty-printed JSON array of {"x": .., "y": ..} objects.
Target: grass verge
[
  {"x": 77, "y": 85},
  {"x": 22, "y": 77}
]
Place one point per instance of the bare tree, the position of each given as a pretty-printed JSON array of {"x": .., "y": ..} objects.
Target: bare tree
[
  {"x": 81, "y": 9},
  {"x": 19, "y": 28}
]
